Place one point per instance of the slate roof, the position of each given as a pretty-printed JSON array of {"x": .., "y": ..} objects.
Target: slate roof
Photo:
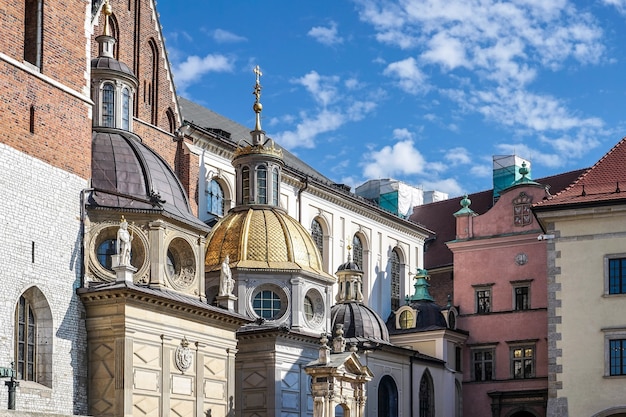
[
  {"x": 603, "y": 183},
  {"x": 439, "y": 217},
  {"x": 127, "y": 174}
]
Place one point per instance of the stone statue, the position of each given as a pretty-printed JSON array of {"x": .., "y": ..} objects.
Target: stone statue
[
  {"x": 227, "y": 283},
  {"x": 124, "y": 239}
]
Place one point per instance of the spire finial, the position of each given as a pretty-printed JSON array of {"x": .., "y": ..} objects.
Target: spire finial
[
  {"x": 107, "y": 11},
  {"x": 257, "y": 107}
]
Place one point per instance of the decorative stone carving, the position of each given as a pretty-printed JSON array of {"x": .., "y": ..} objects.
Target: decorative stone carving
[
  {"x": 124, "y": 239},
  {"x": 183, "y": 355}
]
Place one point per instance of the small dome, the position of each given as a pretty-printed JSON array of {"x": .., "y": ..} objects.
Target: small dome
[
  {"x": 360, "y": 323},
  {"x": 429, "y": 315},
  {"x": 107, "y": 63},
  {"x": 262, "y": 237},
  {"x": 349, "y": 266},
  {"x": 126, "y": 174}
]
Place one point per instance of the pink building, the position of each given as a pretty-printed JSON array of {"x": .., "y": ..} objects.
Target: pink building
[{"x": 500, "y": 270}]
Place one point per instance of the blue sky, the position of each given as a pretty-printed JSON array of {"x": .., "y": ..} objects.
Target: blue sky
[{"x": 424, "y": 91}]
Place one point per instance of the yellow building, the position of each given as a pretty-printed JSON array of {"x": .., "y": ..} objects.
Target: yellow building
[{"x": 585, "y": 226}]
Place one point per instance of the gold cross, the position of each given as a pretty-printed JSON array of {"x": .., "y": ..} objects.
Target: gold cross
[{"x": 258, "y": 73}]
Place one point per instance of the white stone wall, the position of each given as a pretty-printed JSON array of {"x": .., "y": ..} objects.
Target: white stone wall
[{"x": 40, "y": 208}]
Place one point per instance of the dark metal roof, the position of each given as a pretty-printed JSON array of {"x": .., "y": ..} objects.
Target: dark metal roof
[
  {"x": 360, "y": 323},
  {"x": 429, "y": 317},
  {"x": 126, "y": 174},
  {"x": 107, "y": 63}
]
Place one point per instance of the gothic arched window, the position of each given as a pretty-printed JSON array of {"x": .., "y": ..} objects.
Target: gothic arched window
[
  {"x": 108, "y": 105},
  {"x": 394, "y": 261},
  {"x": 215, "y": 198},
  {"x": 387, "y": 397},
  {"x": 33, "y": 338},
  {"x": 357, "y": 252},
  {"x": 261, "y": 184},
  {"x": 427, "y": 396},
  {"x": 318, "y": 236}
]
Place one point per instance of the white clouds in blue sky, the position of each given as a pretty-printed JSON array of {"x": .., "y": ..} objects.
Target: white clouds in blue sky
[{"x": 422, "y": 90}]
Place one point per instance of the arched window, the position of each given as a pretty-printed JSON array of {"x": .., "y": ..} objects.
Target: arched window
[
  {"x": 33, "y": 31},
  {"x": 33, "y": 338},
  {"x": 394, "y": 261},
  {"x": 171, "y": 120},
  {"x": 245, "y": 185},
  {"x": 387, "y": 397},
  {"x": 215, "y": 198},
  {"x": 115, "y": 33},
  {"x": 318, "y": 236},
  {"x": 275, "y": 188},
  {"x": 261, "y": 184},
  {"x": 357, "y": 252},
  {"x": 125, "y": 108},
  {"x": 154, "y": 84},
  {"x": 108, "y": 105},
  {"x": 406, "y": 319},
  {"x": 427, "y": 396}
]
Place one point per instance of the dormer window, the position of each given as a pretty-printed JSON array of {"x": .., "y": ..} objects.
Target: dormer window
[{"x": 108, "y": 105}]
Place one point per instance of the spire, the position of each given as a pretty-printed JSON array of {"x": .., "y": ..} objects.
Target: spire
[
  {"x": 106, "y": 41},
  {"x": 421, "y": 286},
  {"x": 257, "y": 107}
]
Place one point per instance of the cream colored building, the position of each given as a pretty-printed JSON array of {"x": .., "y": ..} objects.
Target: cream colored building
[{"x": 585, "y": 226}]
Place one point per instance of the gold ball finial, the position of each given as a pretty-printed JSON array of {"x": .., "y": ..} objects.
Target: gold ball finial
[{"x": 107, "y": 9}]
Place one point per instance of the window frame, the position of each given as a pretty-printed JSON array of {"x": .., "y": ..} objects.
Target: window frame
[
  {"x": 25, "y": 341},
  {"x": 477, "y": 298},
  {"x": 395, "y": 280},
  {"x": 261, "y": 184},
  {"x": 317, "y": 234},
  {"x": 523, "y": 359},
  {"x": 611, "y": 335},
  {"x": 607, "y": 274},
  {"x": 519, "y": 285},
  {"x": 107, "y": 115},
  {"x": 217, "y": 198},
  {"x": 483, "y": 349}
]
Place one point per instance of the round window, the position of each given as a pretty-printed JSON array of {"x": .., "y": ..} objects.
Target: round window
[
  {"x": 313, "y": 308},
  {"x": 267, "y": 304},
  {"x": 104, "y": 252},
  {"x": 180, "y": 265}
]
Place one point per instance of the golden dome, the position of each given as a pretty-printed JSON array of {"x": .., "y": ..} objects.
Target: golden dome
[{"x": 262, "y": 238}]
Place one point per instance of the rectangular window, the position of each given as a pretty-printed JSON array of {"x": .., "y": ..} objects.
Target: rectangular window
[
  {"x": 523, "y": 362},
  {"x": 483, "y": 301},
  {"x": 617, "y": 276},
  {"x": 482, "y": 364},
  {"x": 522, "y": 298},
  {"x": 617, "y": 354}
]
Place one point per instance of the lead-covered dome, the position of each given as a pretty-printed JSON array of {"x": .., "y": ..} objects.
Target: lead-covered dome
[
  {"x": 360, "y": 323},
  {"x": 262, "y": 237},
  {"x": 127, "y": 174}
]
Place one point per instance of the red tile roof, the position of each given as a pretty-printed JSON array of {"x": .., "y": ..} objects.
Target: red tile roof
[{"x": 603, "y": 183}]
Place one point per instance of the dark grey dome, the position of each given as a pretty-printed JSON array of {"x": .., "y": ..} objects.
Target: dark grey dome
[
  {"x": 360, "y": 323},
  {"x": 108, "y": 63},
  {"x": 349, "y": 266},
  {"x": 429, "y": 315},
  {"x": 126, "y": 174}
]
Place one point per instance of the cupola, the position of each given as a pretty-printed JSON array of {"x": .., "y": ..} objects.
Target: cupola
[{"x": 113, "y": 84}]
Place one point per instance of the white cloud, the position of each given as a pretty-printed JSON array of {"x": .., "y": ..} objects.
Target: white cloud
[
  {"x": 400, "y": 159},
  {"x": 224, "y": 36},
  {"x": 326, "y": 35},
  {"x": 402, "y": 134},
  {"x": 620, "y": 5},
  {"x": 408, "y": 75},
  {"x": 194, "y": 67},
  {"x": 322, "y": 88},
  {"x": 308, "y": 128},
  {"x": 458, "y": 156}
]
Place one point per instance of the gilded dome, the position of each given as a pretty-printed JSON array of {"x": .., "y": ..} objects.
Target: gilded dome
[{"x": 264, "y": 237}]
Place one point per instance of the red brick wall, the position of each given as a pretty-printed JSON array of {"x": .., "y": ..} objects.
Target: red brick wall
[{"x": 62, "y": 124}]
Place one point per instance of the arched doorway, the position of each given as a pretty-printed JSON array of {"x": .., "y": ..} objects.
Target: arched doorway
[{"x": 387, "y": 397}]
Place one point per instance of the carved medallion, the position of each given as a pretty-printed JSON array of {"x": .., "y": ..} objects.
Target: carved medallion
[
  {"x": 521, "y": 259},
  {"x": 183, "y": 355},
  {"x": 521, "y": 210}
]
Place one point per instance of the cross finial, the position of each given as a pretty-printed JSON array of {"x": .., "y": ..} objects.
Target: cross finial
[
  {"x": 257, "y": 71},
  {"x": 257, "y": 107}
]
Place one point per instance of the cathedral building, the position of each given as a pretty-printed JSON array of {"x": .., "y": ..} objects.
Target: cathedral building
[{"x": 171, "y": 271}]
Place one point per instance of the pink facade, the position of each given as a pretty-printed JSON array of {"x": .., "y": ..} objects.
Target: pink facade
[{"x": 500, "y": 289}]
